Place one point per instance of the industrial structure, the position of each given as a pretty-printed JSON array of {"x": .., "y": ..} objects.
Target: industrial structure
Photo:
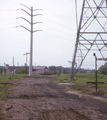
[{"x": 91, "y": 33}]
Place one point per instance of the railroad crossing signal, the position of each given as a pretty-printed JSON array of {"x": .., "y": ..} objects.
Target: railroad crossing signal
[{"x": 105, "y": 59}]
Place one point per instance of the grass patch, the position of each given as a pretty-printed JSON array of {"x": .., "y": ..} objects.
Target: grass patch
[
  {"x": 102, "y": 92},
  {"x": 0, "y": 107},
  {"x": 6, "y": 88},
  {"x": 35, "y": 75},
  {"x": 7, "y": 78},
  {"x": 81, "y": 79},
  {"x": 63, "y": 78},
  {"x": 78, "y": 90},
  {"x": 85, "y": 91},
  {"x": 68, "y": 88}
]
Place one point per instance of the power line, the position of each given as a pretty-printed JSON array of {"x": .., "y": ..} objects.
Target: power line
[
  {"x": 58, "y": 14},
  {"x": 8, "y": 19},
  {"x": 8, "y": 10},
  {"x": 56, "y": 30},
  {"x": 3, "y": 55},
  {"x": 7, "y": 28},
  {"x": 58, "y": 37},
  {"x": 59, "y": 24}
]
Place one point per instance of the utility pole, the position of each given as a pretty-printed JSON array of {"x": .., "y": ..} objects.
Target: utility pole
[
  {"x": 18, "y": 65},
  {"x": 13, "y": 65},
  {"x": 95, "y": 69},
  {"x": 26, "y": 60},
  {"x": 31, "y": 32},
  {"x": 4, "y": 69}
]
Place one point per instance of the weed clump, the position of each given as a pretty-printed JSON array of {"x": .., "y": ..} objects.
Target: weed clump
[{"x": 102, "y": 92}]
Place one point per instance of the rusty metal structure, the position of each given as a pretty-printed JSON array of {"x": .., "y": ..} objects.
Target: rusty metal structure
[{"x": 91, "y": 33}]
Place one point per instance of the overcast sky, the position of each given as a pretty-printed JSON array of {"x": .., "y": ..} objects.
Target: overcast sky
[{"x": 52, "y": 46}]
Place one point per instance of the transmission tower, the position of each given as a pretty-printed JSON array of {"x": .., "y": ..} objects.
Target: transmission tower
[{"x": 91, "y": 33}]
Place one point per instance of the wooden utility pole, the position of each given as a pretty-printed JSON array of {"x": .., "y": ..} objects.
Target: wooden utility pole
[
  {"x": 26, "y": 60},
  {"x": 13, "y": 65},
  {"x": 96, "y": 69}
]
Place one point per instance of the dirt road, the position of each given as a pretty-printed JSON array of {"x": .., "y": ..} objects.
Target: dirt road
[{"x": 41, "y": 99}]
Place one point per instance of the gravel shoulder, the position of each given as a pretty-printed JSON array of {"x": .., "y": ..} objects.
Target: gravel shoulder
[{"x": 42, "y": 99}]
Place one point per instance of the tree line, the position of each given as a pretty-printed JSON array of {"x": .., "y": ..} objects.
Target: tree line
[{"x": 103, "y": 69}]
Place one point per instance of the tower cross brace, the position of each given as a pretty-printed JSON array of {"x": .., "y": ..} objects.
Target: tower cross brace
[{"x": 91, "y": 33}]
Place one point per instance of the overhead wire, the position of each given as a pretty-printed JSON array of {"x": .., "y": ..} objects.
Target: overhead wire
[
  {"x": 58, "y": 36},
  {"x": 8, "y": 10},
  {"x": 56, "y": 29},
  {"x": 7, "y": 28},
  {"x": 58, "y": 14},
  {"x": 43, "y": 25},
  {"x": 8, "y": 19},
  {"x": 59, "y": 24}
]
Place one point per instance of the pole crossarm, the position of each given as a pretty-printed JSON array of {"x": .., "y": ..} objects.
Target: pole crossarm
[
  {"x": 37, "y": 14},
  {"x": 28, "y": 29},
  {"x": 26, "y": 60},
  {"x": 24, "y": 27},
  {"x": 25, "y": 6},
  {"x": 37, "y": 9},
  {"x": 24, "y": 19},
  {"x": 37, "y": 22},
  {"x": 37, "y": 30},
  {"x": 29, "y": 8},
  {"x": 28, "y": 21},
  {"x": 25, "y": 11},
  {"x": 26, "y": 53}
]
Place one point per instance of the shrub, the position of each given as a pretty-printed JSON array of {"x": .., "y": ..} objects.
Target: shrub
[
  {"x": 21, "y": 71},
  {"x": 58, "y": 73},
  {"x": 48, "y": 73},
  {"x": 103, "y": 69}
]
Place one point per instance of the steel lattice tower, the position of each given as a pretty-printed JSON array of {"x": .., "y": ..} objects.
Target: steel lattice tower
[{"x": 91, "y": 34}]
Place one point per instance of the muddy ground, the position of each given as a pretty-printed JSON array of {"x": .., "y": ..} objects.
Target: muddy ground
[{"x": 42, "y": 99}]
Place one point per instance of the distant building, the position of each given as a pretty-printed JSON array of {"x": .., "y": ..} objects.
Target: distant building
[
  {"x": 88, "y": 71},
  {"x": 10, "y": 69},
  {"x": 40, "y": 70},
  {"x": 7, "y": 64}
]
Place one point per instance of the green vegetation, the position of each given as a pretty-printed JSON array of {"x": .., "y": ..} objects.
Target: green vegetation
[
  {"x": 103, "y": 69},
  {"x": 11, "y": 77},
  {"x": 0, "y": 106},
  {"x": 78, "y": 89},
  {"x": 102, "y": 91},
  {"x": 3, "y": 93},
  {"x": 21, "y": 70},
  {"x": 5, "y": 88},
  {"x": 1, "y": 70},
  {"x": 60, "y": 69},
  {"x": 62, "y": 78},
  {"x": 82, "y": 79},
  {"x": 44, "y": 75}
]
